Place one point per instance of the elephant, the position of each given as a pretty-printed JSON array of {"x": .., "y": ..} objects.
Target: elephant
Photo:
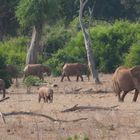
[
  {"x": 13, "y": 72},
  {"x": 75, "y": 69},
  {"x": 45, "y": 93},
  {"x": 2, "y": 87},
  {"x": 125, "y": 80},
  {"x": 36, "y": 70}
]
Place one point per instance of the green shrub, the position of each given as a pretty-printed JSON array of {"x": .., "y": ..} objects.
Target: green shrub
[
  {"x": 31, "y": 81},
  {"x": 133, "y": 57},
  {"x": 14, "y": 50},
  {"x": 55, "y": 38},
  {"x": 77, "y": 138},
  {"x": 111, "y": 42},
  {"x": 3, "y": 74},
  {"x": 58, "y": 60}
]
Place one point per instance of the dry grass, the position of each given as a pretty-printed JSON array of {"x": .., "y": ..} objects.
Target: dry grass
[{"x": 27, "y": 119}]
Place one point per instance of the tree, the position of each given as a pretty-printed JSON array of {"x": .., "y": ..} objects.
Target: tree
[
  {"x": 8, "y": 22},
  {"x": 88, "y": 43},
  {"x": 133, "y": 6},
  {"x": 34, "y": 13}
]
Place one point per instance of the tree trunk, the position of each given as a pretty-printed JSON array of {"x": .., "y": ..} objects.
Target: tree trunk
[
  {"x": 32, "y": 53},
  {"x": 88, "y": 44}
]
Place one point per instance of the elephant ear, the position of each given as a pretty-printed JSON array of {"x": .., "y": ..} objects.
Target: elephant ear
[{"x": 135, "y": 71}]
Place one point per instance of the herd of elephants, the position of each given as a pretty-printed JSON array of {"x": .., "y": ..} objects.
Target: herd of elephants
[{"x": 123, "y": 80}]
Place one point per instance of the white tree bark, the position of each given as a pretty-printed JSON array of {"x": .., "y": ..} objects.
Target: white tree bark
[
  {"x": 32, "y": 52},
  {"x": 88, "y": 44}
]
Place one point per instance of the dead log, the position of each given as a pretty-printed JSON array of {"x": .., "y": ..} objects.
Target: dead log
[
  {"x": 41, "y": 115},
  {"x": 92, "y": 108}
]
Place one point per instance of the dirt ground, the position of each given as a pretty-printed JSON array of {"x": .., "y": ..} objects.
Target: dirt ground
[{"x": 98, "y": 116}]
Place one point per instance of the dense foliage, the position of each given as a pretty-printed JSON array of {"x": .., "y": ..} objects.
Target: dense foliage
[
  {"x": 114, "y": 42},
  {"x": 111, "y": 44},
  {"x": 14, "y": 50},
  {"x": 3, "y": 74}
]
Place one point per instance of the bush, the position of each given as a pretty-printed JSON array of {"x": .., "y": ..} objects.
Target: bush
[
  {"x": 14, "y": 50},
  {"x": 110, "y": 45},
  {"x": 133, "y": 57},
  {"x": 77, "y": 138},
  {"x": 31, "y": 81},
  {"x": 55, "y": 38},
  {"x": 3, "y": 74},
  {"x": 58, "y": 60}
]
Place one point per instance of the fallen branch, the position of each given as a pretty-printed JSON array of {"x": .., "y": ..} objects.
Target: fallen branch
[
  {"x": 92, "y": 108},
  {"x": 41, "y": 115},
  {"x": 3, "y": 99}
]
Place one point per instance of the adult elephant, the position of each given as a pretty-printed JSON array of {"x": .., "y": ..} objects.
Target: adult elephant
[
  {"x": 125, "y": 80},
  {"x": 13, "y": 72},
  {"x": 75, "y": 69},
  {"x": 36, "y": 70}
]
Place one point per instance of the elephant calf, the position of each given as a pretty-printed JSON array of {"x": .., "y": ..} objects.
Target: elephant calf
[
  {"x": 125, "y": 80},
  {"x": 75, "y": 69},
  {"x": 2, "y": 87},
  {"x": 45, "y": 93}
]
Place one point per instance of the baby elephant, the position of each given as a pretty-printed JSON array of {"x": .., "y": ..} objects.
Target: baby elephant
[
  {"x": 2, "y": 87},
  {"x": 45, "y": 93}
]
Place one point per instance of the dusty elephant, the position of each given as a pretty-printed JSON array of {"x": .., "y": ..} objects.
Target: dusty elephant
[
  {"x": 13, "y": 72},
  {"x": 2, "y": 87},
  {"x": 75, "y": 69},
  {"x": 45, "y": 93},
  {"x": 36, "y": 70},
  {"x": 125, "y": 80}
]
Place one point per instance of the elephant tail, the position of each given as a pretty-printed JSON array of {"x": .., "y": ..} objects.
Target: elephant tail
[{"x": 115, "y": 85}]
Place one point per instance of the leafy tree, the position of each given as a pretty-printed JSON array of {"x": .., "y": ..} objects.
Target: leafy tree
[
  {"x": 3, "y": 74},
  {"x": 133, "y": 57},
  {"x": 132, "y": 7},
  {"x": 8, "y": 22},
  {"x": 33, "y": 14}
]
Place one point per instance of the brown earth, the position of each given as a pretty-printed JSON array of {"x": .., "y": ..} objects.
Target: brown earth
[{"x": 99, "y": 115}]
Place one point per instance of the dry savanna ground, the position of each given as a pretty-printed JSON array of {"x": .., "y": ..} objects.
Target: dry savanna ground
[{"x": 97, "y": 113}]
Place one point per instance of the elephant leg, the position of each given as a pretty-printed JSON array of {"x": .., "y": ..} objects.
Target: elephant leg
[
  {"x": 77, "y": 78},
  {"x": 45, "y": 99},
  {"x": 68, "y": 78},
  {"x": 62, "y": 77},
  {"x": 123, "y": 96},
  {"x": 135, "y": 95},
  {"x": 119, "y": 96},
  {"x": 3, "y": 93},
  {"x": 39, "y": 99},
  {"x": 81, "y": 78},
  {"x": 41, "y": 76},
  {"x": 16, "y": 82}
]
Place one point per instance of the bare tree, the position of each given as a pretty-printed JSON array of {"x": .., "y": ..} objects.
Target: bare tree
[
  {"x": 31, "y": 57},
  {"x": 88, "y": 43}
]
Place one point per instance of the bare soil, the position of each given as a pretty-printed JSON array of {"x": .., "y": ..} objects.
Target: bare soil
[{"x": 98, "y": 116}]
